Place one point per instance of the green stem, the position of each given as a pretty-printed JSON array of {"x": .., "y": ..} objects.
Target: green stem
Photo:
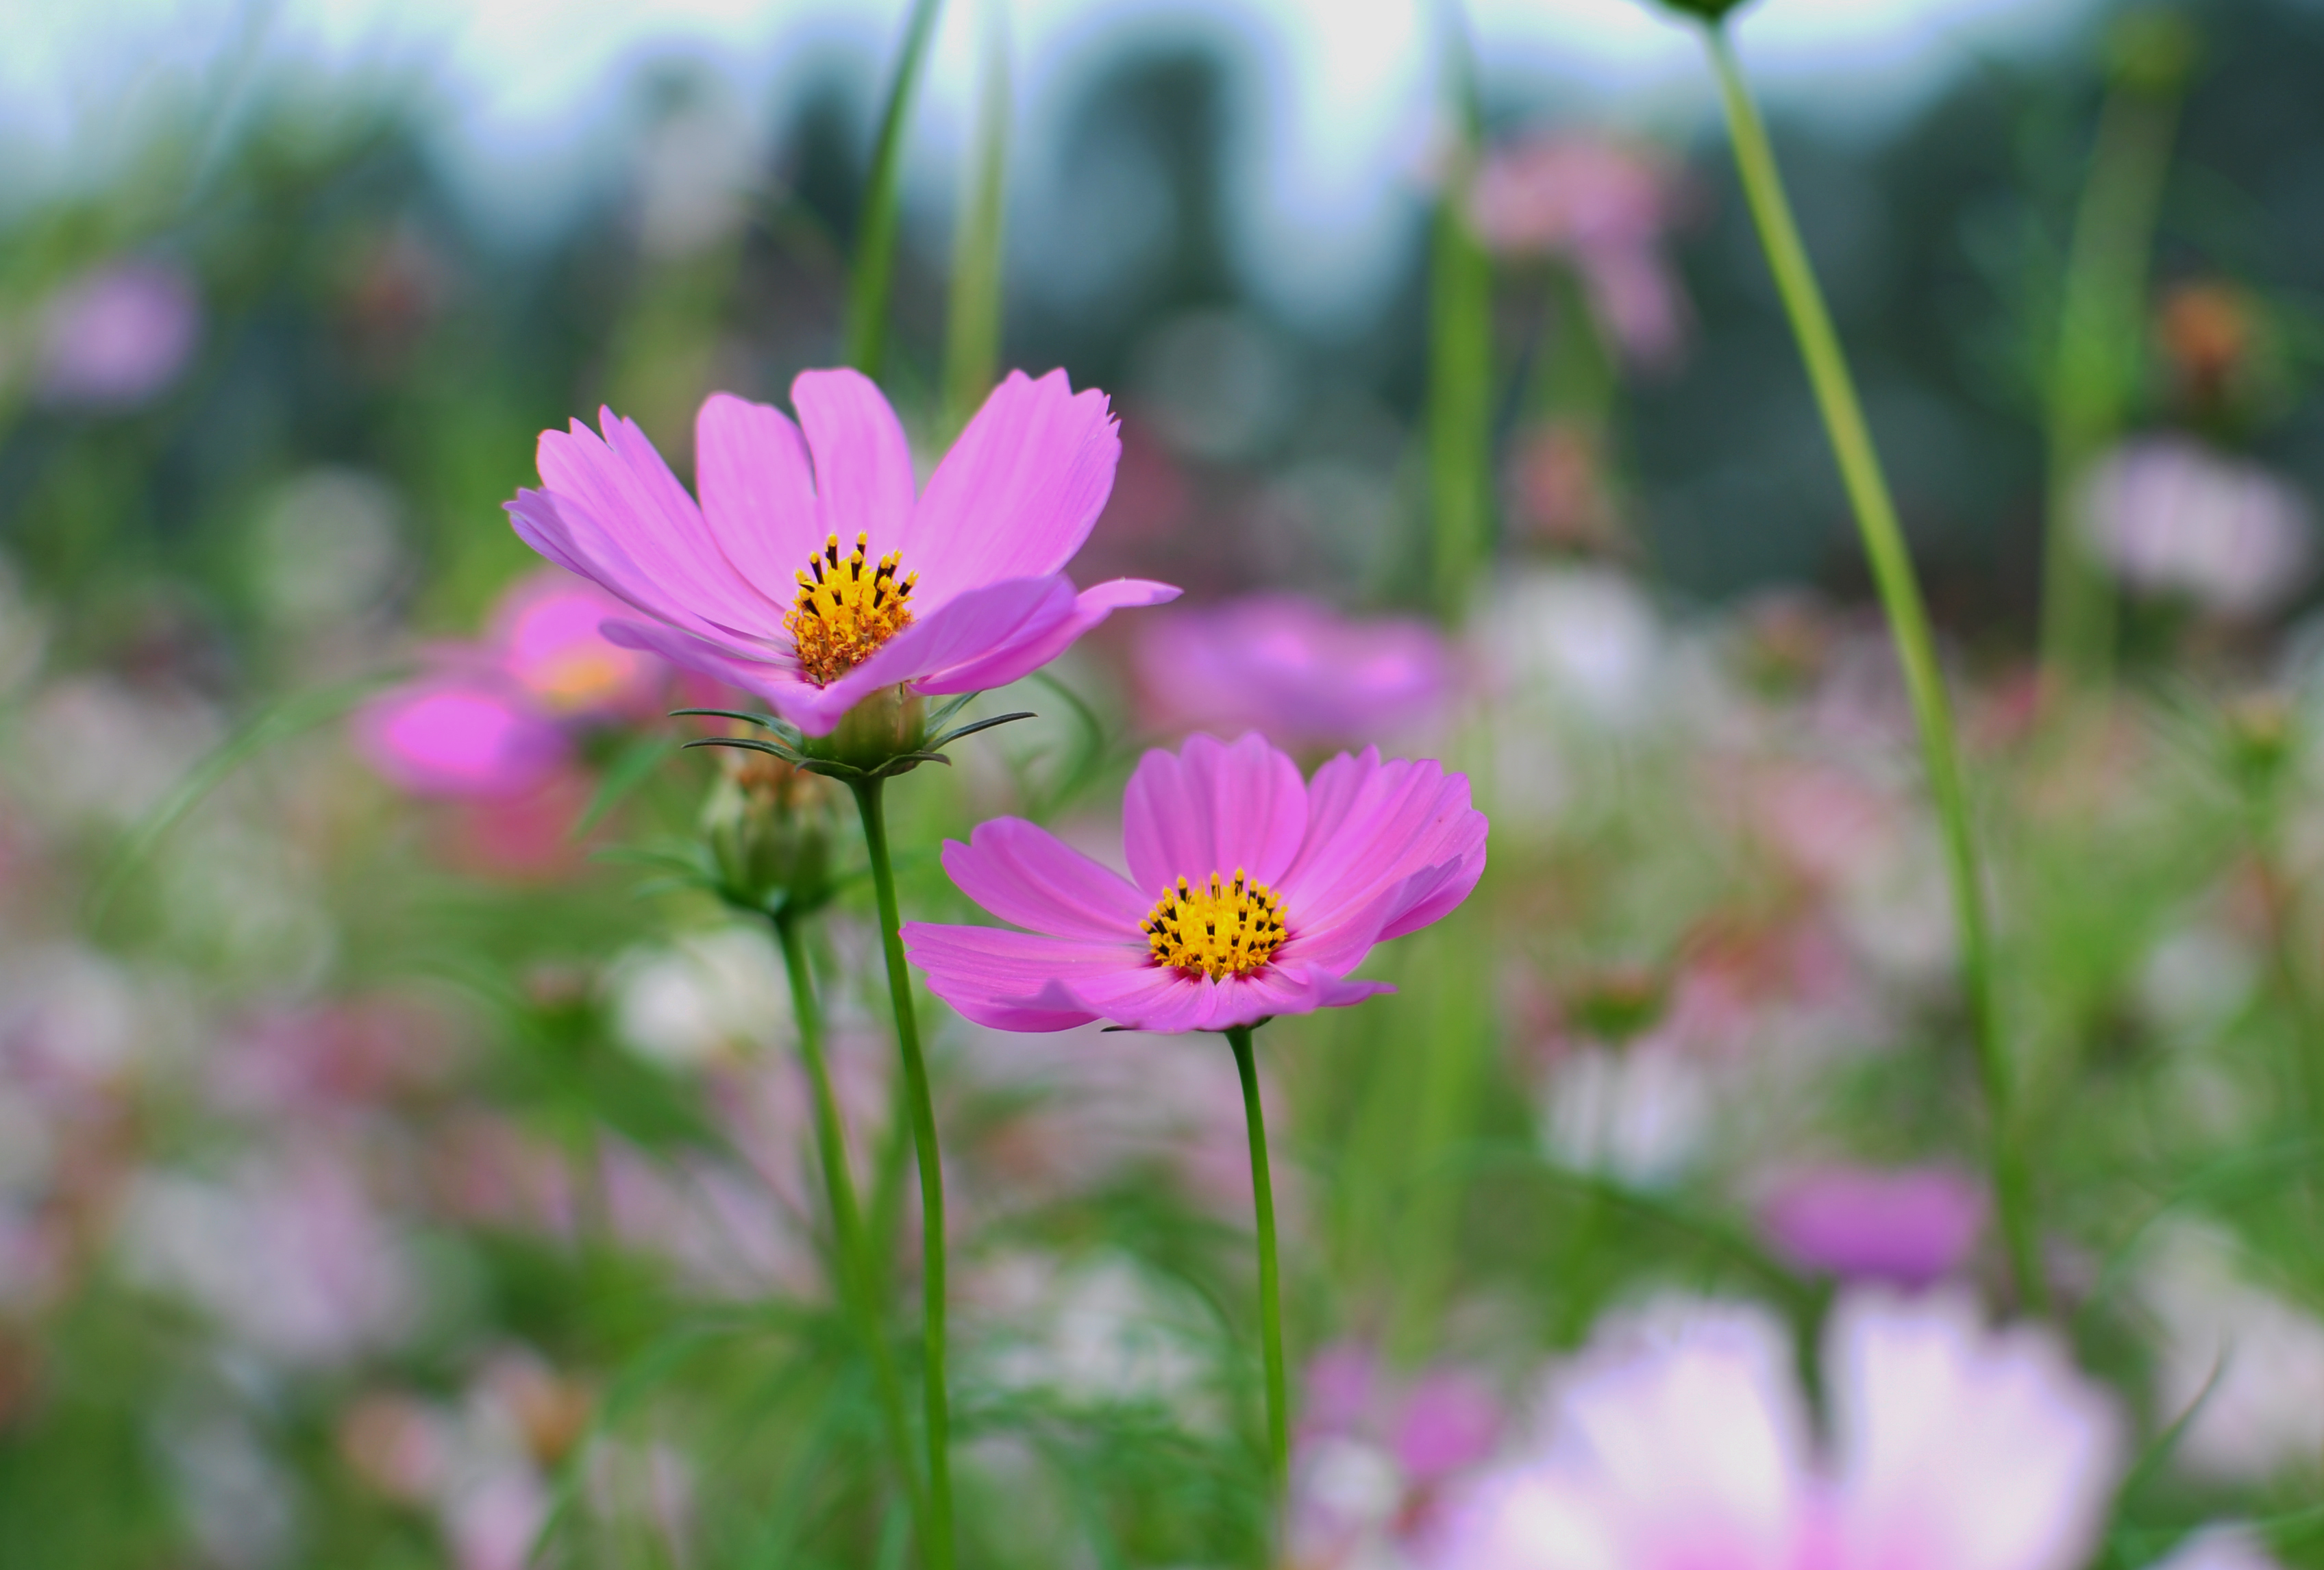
[
  {"x": 875, "y": 242},
  {"x": 1270, "y": 1292},
  {"x": 1908, "y": 624},
  {"x": 2095, "y": 370},
  {"x": 846, "y": 1217},
  {"x": 973, "y": 326},
  {"x": 1459, "y": 413},
  {"x": 870, "y": 801}
]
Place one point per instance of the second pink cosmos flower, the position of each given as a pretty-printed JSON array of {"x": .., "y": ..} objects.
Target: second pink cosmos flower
[
  {"x": 1252, "y": 893},
  {"x": 814, "y": 572}
]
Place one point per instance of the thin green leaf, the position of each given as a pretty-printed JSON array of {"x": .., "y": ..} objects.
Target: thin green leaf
[
  {"x": 875, "y": 246},
  {"x": 972, "y": 323},
  {"x": 629, "y": 770},
  {"x": 949, "y": 737}
]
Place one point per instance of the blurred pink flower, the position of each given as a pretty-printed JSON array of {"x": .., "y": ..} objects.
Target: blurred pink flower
[
  {"x": 2172, "y": 516},
  {"x": 1912, "y": 1225},
  {"x": 118, "y": 336},
  {"x": 1293, "y": 668},
  {"x": 1302, "y": 880},
  {"x": 291, "y": 1255},
  {"x": 544, "y": 634},
  {"x": 951, "y": 589},
  {"x": 494, "y": 720},
  {"x": 460, "y": 734},
  {"x": 1680, "y": 1441},
  {"x": 1604, "y": 206},
  {"x": 1372, "y": 1451}
]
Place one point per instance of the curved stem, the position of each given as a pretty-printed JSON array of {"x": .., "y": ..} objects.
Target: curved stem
[
  {"x": 847, "y": 1217},
  {"x": 1270, "y": 1297},
  {"x": 875, "y": 241},
  {"x": 1908, "y": 624},
  {"x": 870, "y": 804}
]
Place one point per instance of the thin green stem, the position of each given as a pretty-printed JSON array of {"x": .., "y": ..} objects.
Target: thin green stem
[
  {"x": 856, "y": 1276},
  {"x": 1270, "y": 1291},
  {"x": 875, "y": 240},
  {"x": 1460, "y": 414},
  {"x": 972, "y": 325},
  {"x": 1908, "y": 624},
  {"x": 870, "y": 803},
  {"x": 2095, "y": 372}
]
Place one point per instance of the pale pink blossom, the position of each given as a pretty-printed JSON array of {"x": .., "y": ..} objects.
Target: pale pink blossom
[
  {"x": 1680, "y": 1441},
  {"x": 2172, "y": 516}
]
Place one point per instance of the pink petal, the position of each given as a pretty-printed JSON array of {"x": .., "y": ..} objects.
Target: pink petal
[
  {"x": 628, "y": 497},
  {"x": 1145, "y": 997},
  {"x": 1021, "y": 488},
  {"x": 1024, "y": 874},
  {"x": 757, "y": 490},
  {"x": 1212, "y": 808},
  {"x": 965, "y": 629},
  {"x": 777, "y": 680},
  {"x": 1021, "y": 657},
  {"x": 862, "y": 465},
  {"x": 1012, "y": 980},
  {"x": 1371, "y": 826}
]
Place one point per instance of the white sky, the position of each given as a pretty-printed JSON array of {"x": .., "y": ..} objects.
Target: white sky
[{"x": 526, "y": 90}]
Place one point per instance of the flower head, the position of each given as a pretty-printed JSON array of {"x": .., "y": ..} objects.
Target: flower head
[
  {"x": 1680, "y": 1441},
  {"x": 811, "y": 572},
  {"x": 1293, "y": 668},
  {"x": 1251, "y": 893}
]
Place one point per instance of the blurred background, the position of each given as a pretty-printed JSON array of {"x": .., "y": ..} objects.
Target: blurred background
[{"x": 390, "y": 1177}]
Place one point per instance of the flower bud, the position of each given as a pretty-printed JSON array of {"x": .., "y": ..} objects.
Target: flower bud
[
  {"x": 769, "y": 825},
  {"x": 888, "y": 724}
]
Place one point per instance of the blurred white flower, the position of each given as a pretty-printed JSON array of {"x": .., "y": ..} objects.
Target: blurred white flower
[
  {"x": 2195, "y": 979},
  {"x": 1098, "y": 1331},
  {"x": 289, "y": 1255},
  {"x": 695, "y": 166},
  {"x": 89, "y": 749},
  {"x": 2248, "y": 1365},
  {"x": 327, "y": 546},
  {"x": 70, "y": 1018},
  {"x": 238, "y": 1500},
  {"x": 2222, "y": 1548},
  {"x": 1583, "y": 640},
  {"x": 1679, "y": 1440},
  {"x": 2171, "y": 516},
  {"x": 707, "y": 995},
  {"x": 1640, "y": 1114}
]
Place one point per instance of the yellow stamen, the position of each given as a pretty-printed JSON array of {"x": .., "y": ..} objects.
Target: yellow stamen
[
  {"x": 844, "y": 611},
  {"x": 1226, "y": 927}
]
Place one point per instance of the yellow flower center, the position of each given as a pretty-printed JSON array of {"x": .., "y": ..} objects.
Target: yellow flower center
[
  {"x": 846, "y": 607},
  {"x": 1219, "y": 928},
  {"x": 576, "y": 677}
]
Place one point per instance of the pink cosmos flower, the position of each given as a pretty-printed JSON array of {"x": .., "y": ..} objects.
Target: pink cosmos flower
[
  {"x": 1912, "y": 1225},
  {"x": 811, "y": 572},
  {"x": 119, "y": 335},
  {"x": 1680, "y": 1441},
  {"x": 1293, "y": 668},
  {"x": 1251, "y": 893}
]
